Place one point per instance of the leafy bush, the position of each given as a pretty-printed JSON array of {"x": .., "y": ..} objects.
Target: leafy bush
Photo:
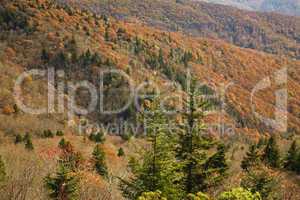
[
  {"x": 239, "y": 194},
  {"x": 198, "y": 196},
  {"x": 151, "y": 196}
]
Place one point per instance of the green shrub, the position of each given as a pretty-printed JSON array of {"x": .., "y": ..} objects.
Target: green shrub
[
  {"x": 151, "y": 196},
  {"x": 239, "y": 194}
]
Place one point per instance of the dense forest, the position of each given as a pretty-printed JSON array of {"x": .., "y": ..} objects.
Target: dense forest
[{"x": 171, "y": 156}]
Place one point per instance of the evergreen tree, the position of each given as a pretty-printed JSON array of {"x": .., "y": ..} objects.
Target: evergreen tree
[
  {"x": 138, "y": 45},
  {"x": 18, "y": 139},
  {"x": 69, "y": 157},
  {"x": 261, "y": 179},
  {"x": 161, "y": 58},
  {"x": 216, "y": 166},
  {"x": 156, "y": 169},
  {"x": 192, "y": 143},
  {"x": 297, "y": 163},
  {"x": 186, "y": 58},
  {"x": 62, "y": 186},
  {"x": 48, "y": 134},
  {"x": 106, "y": 34},
  {"x": 251, "y": 159},
  {"x": 28, "y": 142},
  {"x": 63, "y": 143},
  {"x": 271, "y": 153},
  {"x": 99, "y": 160},
  {"x": 121, "y": 152},
  {"x": 45, "y": 56},
  {"x": 291, "y": 158},
  {"x": 59, "y": 133},
  {"x": 98, "y": 137},
  {"x": 2, "y": 170}
]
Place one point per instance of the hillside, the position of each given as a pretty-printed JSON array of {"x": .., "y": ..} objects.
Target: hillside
[
  {"x": 290, "y": 7},
  {"x": 41, "y": 34},
  {"x": 272, "y": 33}
]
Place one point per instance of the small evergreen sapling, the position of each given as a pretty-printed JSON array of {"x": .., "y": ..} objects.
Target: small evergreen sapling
[
  {"x": 99, "y": 160},
  {"x": 28, "y": 142},
  {"x": 121, "y": 152},
  {"x": 59, "y": 133},
  {"x": 18, "y": 139},
  {"x": 271, "y": 154},
  {"x": 291, "y": 158},
  {"x": 62, "y": 186},
  {"x": 252, "y": 158},
  {"x": 2, "y": 170}
]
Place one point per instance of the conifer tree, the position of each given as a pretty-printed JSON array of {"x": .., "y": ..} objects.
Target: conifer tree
[
  {"x": 98, "y": 137},
  {"x": 99, "y": 160},
  {"x": 291, "y": 158},
  {"x": 69, "y": 157},
  {"x": 252, "y": 158},
  {"x": 297, "y": 163},
  {"x": 271, "y": 153},
  {"x": 156, "y": 169},
  {"x": 216, "y": 166},
  {"x": 45, "y": 56},
  {"x": 59, "y": 133},
  {"x": 28, "y": 142},
  {"x": 192, "y": 143},
  {"x": 18, "y": 139},
  {"x": 63, "y": 143},
  {"x": 106, "y": 34},
  {"x": 262, "y": 180},
  {"x": 62, "y": 186},
  {"x": 2, "y": 170},
  {"x": 161, "y": 58},
  {"x": 121, "y": 152}
]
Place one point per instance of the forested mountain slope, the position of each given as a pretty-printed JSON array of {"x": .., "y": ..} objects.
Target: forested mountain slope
[
  {"x": 42, "y": 34},
  {"x": 288, "y": 7},
  {"x": 269, "y": 32}
]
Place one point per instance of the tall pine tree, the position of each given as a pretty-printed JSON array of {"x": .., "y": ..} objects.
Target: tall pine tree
[
  {"x": 192, "y": 144},
  {"x": 156, "y": 169},
  {"x": 271, "y": 154}
]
